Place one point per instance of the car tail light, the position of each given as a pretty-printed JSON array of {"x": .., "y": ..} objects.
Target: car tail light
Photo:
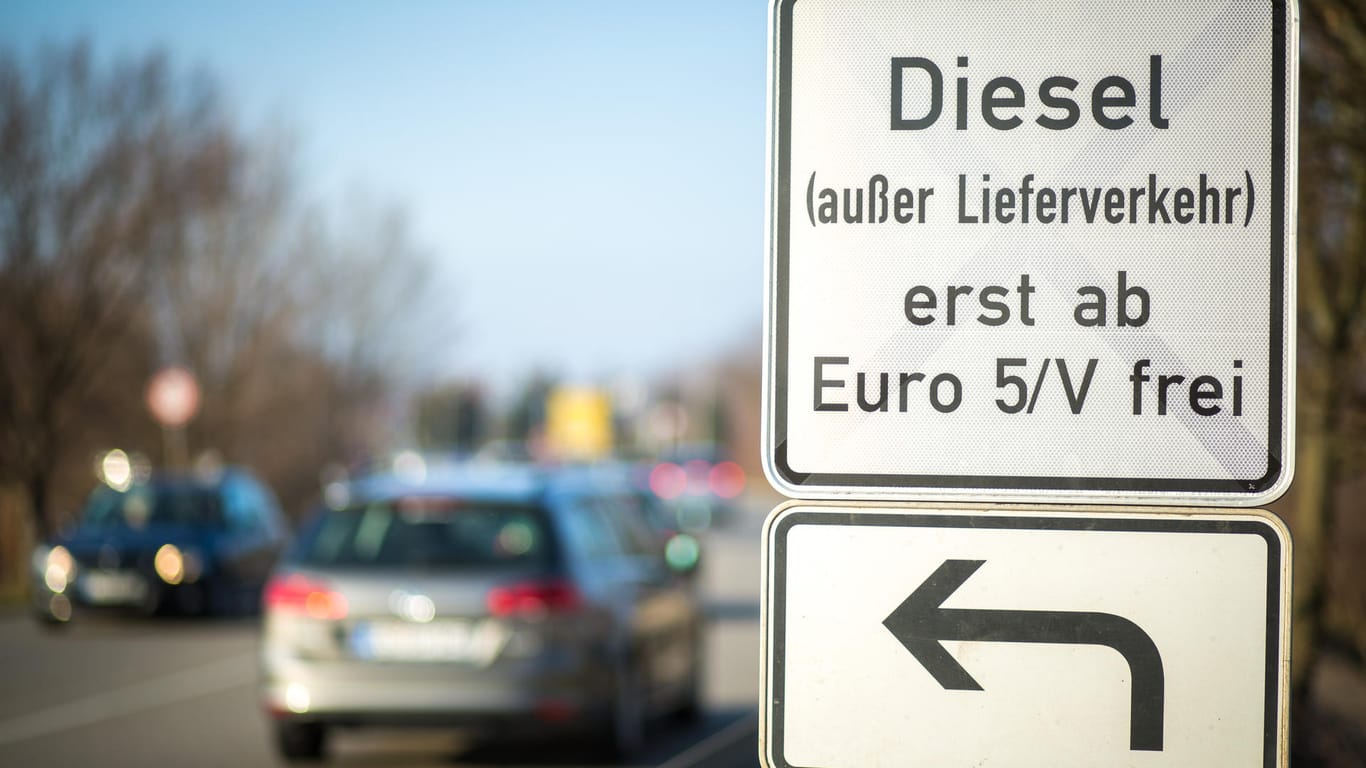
[
  {"x": 555, "y": 711},
  {"x": 534, "y": 598},
  {"x": 302, "y": 595},
  {"x": 696, "y": 471},
  {"x": 727, "y": 480},
  {"x": 668, "y": 480}
]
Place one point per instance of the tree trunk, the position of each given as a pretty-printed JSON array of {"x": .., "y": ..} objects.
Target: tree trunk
[
  {"x": 1316, "y": 479},
  {"x": 37, "y": 504}
]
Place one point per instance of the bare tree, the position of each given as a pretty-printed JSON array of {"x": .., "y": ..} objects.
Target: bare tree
[
  {"x": 101, "y": 171},
  {"x": 139, "y": 226},
  {"x": 305, "y": 332},
  {"x": 1332, "y": 295},
  {"x": 375, "y": 301}
]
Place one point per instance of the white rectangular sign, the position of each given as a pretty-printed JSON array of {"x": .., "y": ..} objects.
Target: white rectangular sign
[
  {"x": 1032, "y": 250},
  {"x": 905, "y": 636}
]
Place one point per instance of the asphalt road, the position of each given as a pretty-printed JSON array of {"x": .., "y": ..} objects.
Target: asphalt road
[{"x": 108, "y": 691}]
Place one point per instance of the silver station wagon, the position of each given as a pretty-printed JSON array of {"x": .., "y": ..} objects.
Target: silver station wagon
[{"x": 491, "y": 597}]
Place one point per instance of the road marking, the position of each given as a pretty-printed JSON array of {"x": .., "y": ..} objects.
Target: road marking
[
  {"x": 187, "y": 684},
  {"x": 699, "y": 752}
]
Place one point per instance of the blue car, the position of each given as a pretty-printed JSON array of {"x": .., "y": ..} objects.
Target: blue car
[{"x": 193, "y": 544}]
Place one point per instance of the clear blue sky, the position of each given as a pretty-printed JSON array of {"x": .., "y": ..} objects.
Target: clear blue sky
[{"x": 589, "y": 174}]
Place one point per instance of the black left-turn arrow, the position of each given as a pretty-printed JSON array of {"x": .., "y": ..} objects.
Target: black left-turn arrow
[{"x": 920, "y": 623}]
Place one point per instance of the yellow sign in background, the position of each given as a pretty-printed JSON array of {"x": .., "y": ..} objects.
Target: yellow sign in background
[{"x": 578, "y": 423}]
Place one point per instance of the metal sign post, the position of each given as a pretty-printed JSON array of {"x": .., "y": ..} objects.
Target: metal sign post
[{"x": 173, "y": 399}]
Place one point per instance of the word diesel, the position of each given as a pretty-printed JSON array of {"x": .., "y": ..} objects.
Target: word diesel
[{"x": 1111, "y": 98}]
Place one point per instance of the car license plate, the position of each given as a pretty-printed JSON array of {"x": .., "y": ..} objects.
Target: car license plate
[
  {"x": 112, "y": 587},
  {"x": 477, "y": 643}
]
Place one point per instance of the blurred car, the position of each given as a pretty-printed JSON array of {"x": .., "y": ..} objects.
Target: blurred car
[
  {"x": 503, "y": 599},
  {"x": 193, "y": 543},
  {"x": 682, "y": 549},
  {"x": 698, "y": 485}
]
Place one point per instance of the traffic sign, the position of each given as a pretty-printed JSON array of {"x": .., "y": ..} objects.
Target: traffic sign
[
  {"x": 1032, "y": 251},
  {"x": 915, "y": 635},
  {"x": 173, "y": 396}
]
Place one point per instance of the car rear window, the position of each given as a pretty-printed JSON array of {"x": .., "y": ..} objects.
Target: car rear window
[{"x": 429, "y": 533}]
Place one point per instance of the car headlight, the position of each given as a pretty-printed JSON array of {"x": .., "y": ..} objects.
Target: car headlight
[
  {"x": 59, "y": 569},
  {"x": 170, "y": 564},
  {"x": 177, "y": 566}
]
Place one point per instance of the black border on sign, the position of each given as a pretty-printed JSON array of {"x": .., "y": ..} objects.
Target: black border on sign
[
  {"x": 1276, "y": 392},
  {"x": 777, "y": 592}
]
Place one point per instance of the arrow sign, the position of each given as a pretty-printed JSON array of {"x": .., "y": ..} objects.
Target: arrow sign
[{"x": 921, "y": 624}]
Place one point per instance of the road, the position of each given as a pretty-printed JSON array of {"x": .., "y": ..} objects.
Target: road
[{"x": 124, "y": 692}]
